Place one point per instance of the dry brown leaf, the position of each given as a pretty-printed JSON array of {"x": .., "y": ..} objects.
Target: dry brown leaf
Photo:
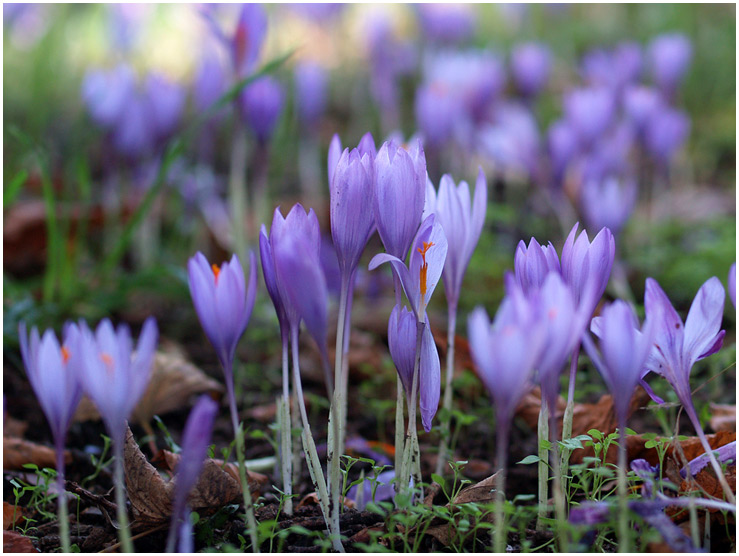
[
  {"x": 174, "y": 380},
  {"x": 15, "y": 542},
  {"x": 479, "y": 493},
  {"x": 12, "y": 515},
  {"x": 13, "y": 427},
  {"x": 723, "y": 417},
  {"x": 18, "y": 452}
]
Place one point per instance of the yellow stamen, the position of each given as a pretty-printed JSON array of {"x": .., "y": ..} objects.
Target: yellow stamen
[
  {"x": 216, "y": 271},
  {"x": 424, "y": 266},
  {"x": 65, "y": 355}
]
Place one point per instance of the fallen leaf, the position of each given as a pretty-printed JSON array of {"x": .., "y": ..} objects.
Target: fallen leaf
[
  {"x": 479, "y": 493},
  {"x": 15, "y": 542},
  {"x": 723, "y": 417},
  {"x": 12, "y": 515},
  {"x": 18, "y": 452},
  {"x": 174, "y": 380},
  {"x": 13, "y": 427}
]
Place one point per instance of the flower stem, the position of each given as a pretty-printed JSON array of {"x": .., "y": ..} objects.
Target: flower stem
[
  {"x": 251, "y": 522},
  {"x": 286, "y": 460},
  {"x": 399, "y": 403},
  {"x": 624, "y": 544},
  {"x": 569, "y": 410},
  {"x": 447, "y": 405},
  {"x": 501, "y": 537},
  {"x": 311, "y": 454},
  {"x": 124, "y": 535},
  {"x": 410, "y": 455},
  {"x": 543, "y": 435},
  {"x": 237, "y": 187},
  {"x": 559, "y": 498},
  {"x": 63, "y": 511},
  {"x": 728, "y": 494}
]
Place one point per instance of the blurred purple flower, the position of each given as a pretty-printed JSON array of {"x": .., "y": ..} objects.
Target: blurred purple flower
[
  {"x": 319, "y": 12},
  {"x": 666, "y": 132},
  {"x": 352, "y": 196},
  {"x": 133, "y": 135},
  {"x": 210, "y": 81},
  {"x": 400, "y": 188},
  {"x": 55, "y": 375},
  {"x": 261, "y": 103},
  {"x": 532, "y": 264},
  {"x": 125, "y": 22},
  {"x": 724, "y": 454},
  {"x": 586, "y": 266},
  {"x": 384, "y": 489},
  {"x": 590, "y": 112},
  {"x": 248, "y": 37},
  {"x": 608, "y": 202},
  {"x": 531, "y": 64},
  {"x": 615, "y": 68},
  {"x": 647, "y": 474},
  {"x": 563, "y": 146},
  {"x": 512, "y": 142},
  {"x": 462, "y": 220},
  {"x": 420, "y": 277},
  {"x": 106, "y": 93},
  {"x": 270, "y": 281},
  {"x": 669, "y": 57},
  {"x": 222, "y": 301},
  {"x": 112, "y": 376},
  {"x": 590, "y": 513},
  {"x": 167, "y": 102},
  {"x": 438, "y": 112},
  {"x": 446, "y": 23},
  {"x": 624, "y": 349},
  {"x": 311, "y": 91},
  {"x": 402, "y": 329},
  {"x": 195, "y": 442},
  {"x": 676, "y": 346},
  {"x": 640, "y": 103},
  {"x": 732, "y": 284}
]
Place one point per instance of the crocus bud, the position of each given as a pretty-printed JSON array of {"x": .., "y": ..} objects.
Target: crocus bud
[
  {"x": 532, "y": 264},
  {"x": 640, "y": 103},
  {"x": 270, "y": 280},
  {"x": 666, "y": 132},
  {"x": 261, "y": 104},
  {"x": 531, "y": 64},
  {"x": 401, "y": 335},
  {"x": 437, "y": 113},
  {"x": 112, "y": 376},
  {"x": 311, "y": 84},
  {"x": 210, "y": 81},
  {"x": 167, "y": 101},
  {"x": 669, "y": 58},
  {"x": 248, "y": 38},
  {"x": 590, "y": 112},
  {"x": 352, "y": 221},
  {"x": 222, "y": 301},
  {"x": 400, "y": 178}
]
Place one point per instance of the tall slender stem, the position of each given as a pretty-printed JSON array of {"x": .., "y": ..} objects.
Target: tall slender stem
[
  {"x": 690, "y": 410},
  {"x": 286, "y": 459},
  {"x": 63, "y": 512},
  {"x": 543, "y": 453},
  {"x": 559, "y": 498},
  {"x": 501, "y": 538},
  {"x": 569, "y": 409},
  {"x": 311, "y": 454},
  {"x": 409, "y": 452},
  {"x": 624, "y": 544},
  {"x": 124, "y": 535},
  {"x": 447, "y": 405},
  {"x": 237, "y": 187},
  {"x": 251, "y": 522}
]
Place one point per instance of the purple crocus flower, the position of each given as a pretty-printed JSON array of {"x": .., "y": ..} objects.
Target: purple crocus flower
[
  {"x": 54, "y": 374},
  {"x": 608, "y": 202},
  {"x": 586, "y": 266},
  {"x": 402, "y": 343},
  {"x": 195, "y": 442},
  {"x": 400, "y": 188},
  {"x": 210, "y": 81},
  {"x": 222, "y": 301},
  {"x": 462, "y": 220},
  {"x": 106, "y": 93},
  {"x": 640, "y": 103},
  {"x": 532, "y": 264},
  {"x": 438, "y": 113},
  {"x": 666, "y": 131},
  {"x": 420, "y": 277},
  {"x": 167, "y": 101},
  {"x": 311, "y": 84},
  {"x": 613, "y": 69},
  {"x": 624, "y": 349},
  {"x": 366, "y": 146},
  {"x": 446, "y": 23},
  {"x": 512, "y": 142},
  {"x": 133, "y": 135},
  {"x": 352, "y": 194},
  {"x": 531, "y": 64},
  {"x": 384, "y": 489},
  {"x": 590, "y": 112},
  {"x": 669, "y": 57},
  {"x": 247, "y": 38},
  {"x": 732, "y": 284},
  {"x": 270, "y": 280},
  {"x": 261, "y": 104},
  {"x": 563, "y": 147}
]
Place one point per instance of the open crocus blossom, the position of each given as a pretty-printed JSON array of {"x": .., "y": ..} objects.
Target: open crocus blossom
[
  {"x": 586, "y": 266},
  {"x": 462, "y": 221},
  {"x": 624, "y": 349},
  {"x": 195, "y": 441},
  {"x": 401, "y": 335},
  {"x": 678, "y": 346},
  {"x": 400, "y": 189},
  {"x": 112, "y": 376},
  {"x": 426, "y": 263},
  {"x": 352, "y": 193},
  {"x": 222, "y": 301}
]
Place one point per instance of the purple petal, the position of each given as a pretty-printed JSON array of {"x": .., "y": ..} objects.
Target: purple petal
[
  {"x": 703, "y": 322},
  {"x": 429, "y": 378}
]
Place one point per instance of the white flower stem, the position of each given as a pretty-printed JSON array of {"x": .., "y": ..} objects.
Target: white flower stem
[
  {"x": 560, "y": 511},
  {"x": 624, "y": 534},
  {"x": 543, "y": 453},
  {"x": 286, "y": 443},
  {"x": 124, "y": 535},
  {"x": 501, "y": 538},
  {"x": 410, "y": 451},
  {"x": 569, "y": 410},
  {"x": 63, "y": 512},
  {"x": 447, "y": 405}
]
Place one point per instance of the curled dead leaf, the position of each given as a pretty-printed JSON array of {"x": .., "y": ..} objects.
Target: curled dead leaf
[
  {"x": 723, "y": 417},
  {"x": 15, "y": 542},
  {"x": 174, "y": 381},
  {"x": 17, "y": 452}
]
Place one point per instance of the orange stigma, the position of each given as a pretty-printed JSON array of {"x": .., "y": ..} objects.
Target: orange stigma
[
  {"x": 65, "y": 355},
  {"x": 424, "y": 266},
  {"x": 216, "y": 271},
  {"x": 107, "y": 359}
]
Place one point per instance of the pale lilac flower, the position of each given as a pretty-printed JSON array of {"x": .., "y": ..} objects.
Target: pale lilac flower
[
  {"x": 640, "y": 104},
  {"x": 669, "y": 56},
  {"x": 106, "y": 93},
  {"x": 446, "y": 23},
  {"x": 311, "y": 91},
  {"x": 261, "y": 104},
  {"x": 532, "y": 264},
  {"x": 608, "y": 202},
  {"x": 732, "y": 284},
  {"x": 531, "y": 64},
  {"x": 590, "y": 112},
  {"x": 166, "y": 101},
  {"x": 665, "y": 133}
]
